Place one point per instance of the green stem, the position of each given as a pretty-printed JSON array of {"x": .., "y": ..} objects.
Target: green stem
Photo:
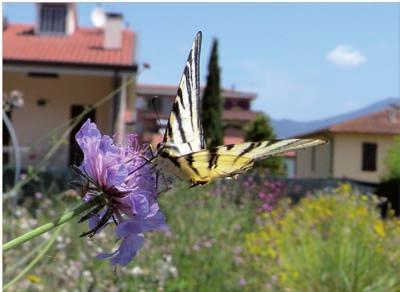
[
  {"x": 24, "y": 259},
  {"x": 34, "y": 261},
  {"x": 48, "y": 226}
]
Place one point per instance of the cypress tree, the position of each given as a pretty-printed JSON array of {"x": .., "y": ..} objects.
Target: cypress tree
[
  {"x": 261, "y": 130},
  {"x": 212, "y": 102}
]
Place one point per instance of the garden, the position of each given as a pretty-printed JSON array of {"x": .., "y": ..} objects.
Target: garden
[{"x": 233, "y": 235}]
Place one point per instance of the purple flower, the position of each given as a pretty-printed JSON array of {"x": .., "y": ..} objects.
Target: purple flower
[
  {"x": 124, "y": 179},
  {"x": 38, "y": 195}
]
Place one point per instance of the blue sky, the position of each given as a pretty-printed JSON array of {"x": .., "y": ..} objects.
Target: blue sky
[{"x": 305, "y": 61}]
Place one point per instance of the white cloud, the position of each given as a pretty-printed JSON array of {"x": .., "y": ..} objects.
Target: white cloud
[{"x": 346, "y": 56}]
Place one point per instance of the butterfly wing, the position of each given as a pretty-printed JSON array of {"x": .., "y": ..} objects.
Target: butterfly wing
[
  {"x": 184, "y": 130},
  {"x": 229, "y": 160}
]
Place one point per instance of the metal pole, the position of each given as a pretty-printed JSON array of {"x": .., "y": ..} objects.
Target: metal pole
[{"x": 16, "y": 150}]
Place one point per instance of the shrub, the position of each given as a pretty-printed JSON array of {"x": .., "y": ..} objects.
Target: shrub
[
  {"x": 392, "y": 161},
  {"x": 333, "y": 242}
]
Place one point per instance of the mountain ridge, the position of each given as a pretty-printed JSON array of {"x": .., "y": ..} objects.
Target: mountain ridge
[{"x": 285, "y": 128}]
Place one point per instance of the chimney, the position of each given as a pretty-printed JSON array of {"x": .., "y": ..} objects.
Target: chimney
[
  {"x": 394, "y": 113},
  {"x": 113, "y": 31},
  {"x": 5, "y": 23}
]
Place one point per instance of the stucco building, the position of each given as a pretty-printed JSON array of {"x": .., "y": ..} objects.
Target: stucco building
[
  {"x": 61, "y": 68},
  {"x": 356, "y": 148}
]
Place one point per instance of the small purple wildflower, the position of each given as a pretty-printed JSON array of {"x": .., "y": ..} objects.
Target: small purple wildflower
[
  {"x": 38, "y": 195},
  {"x": 122, "y": 177}
]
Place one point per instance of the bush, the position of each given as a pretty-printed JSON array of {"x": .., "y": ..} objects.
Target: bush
[
  {"x": 333, "y": 242},
  {"x": 392, "y": 161}
]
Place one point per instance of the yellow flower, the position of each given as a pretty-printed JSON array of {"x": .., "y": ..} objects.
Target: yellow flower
[
  {"x": 34, "y": 279},
  {"x": 380, "y": 229}
]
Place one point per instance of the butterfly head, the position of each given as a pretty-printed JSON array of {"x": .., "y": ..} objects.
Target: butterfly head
[{"x": 164, "y": 150}]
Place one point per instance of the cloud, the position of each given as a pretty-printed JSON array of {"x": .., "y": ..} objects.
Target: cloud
[{"x": 346, "y": 56}]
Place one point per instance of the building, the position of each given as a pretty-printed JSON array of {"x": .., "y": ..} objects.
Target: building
[
  {"x": 236, "y": 112},
  {"x": 61, "y": 68},
  {"x": 356, "y": 148}
]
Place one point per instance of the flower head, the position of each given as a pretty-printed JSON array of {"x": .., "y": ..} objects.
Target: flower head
[{"x": 122, "y": 176}]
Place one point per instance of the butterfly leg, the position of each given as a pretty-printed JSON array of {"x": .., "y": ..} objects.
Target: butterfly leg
[
  {"x": 199, "y": 183},
  {"x": 91, "y": 213},
  {"x": 101, "y": 223},
  {"x": 167, "y": 186}
]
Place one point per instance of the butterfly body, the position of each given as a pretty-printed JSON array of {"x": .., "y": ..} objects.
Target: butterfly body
[
  {"x": 204, "y": 166},
  {"x": 183, "y": 151}
]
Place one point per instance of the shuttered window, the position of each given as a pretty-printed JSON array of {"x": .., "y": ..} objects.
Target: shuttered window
[
  {"x": 369, "y": 151},
  {"x": 53, "y": 18}
]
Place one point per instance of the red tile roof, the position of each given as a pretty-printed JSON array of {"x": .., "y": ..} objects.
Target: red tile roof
[
  {"x": 227, "y": 115},
  {"x": 241, "y": 115},
  {"x": 170, "y": 90},
  {"x": 84, "y": 46},
  {"x": 386, "y": 121}
]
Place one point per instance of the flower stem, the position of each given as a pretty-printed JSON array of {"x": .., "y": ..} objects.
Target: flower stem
[
  {"x": 48, "y": 226},
  {"x": 35, "y": 260}
]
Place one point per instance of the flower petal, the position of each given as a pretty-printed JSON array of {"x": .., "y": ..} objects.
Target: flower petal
[
  {"x": 155, "y": 222},
  {"x": 132, "y": 226},
  {"x": 128, "y": 249}
]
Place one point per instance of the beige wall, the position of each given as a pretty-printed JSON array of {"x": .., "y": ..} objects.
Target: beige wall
[
  {"x": 33, "y": 122},
  {"x": 348, "y": 155},
  {"x": 322, "y": 161}
]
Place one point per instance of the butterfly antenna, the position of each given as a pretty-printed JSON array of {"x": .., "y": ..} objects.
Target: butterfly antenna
[{"x": 153, "y": 101}]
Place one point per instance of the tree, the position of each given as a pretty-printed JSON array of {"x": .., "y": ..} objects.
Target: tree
[
  {"x": 261, "y": 130},
  {"x": 212, "y": 102},
  {"x": 392, "y": 161}
]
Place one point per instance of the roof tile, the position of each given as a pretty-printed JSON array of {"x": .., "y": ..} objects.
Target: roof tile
[
  {"x": 386, "y": 121},
  {"x": 84, "y": 46}
]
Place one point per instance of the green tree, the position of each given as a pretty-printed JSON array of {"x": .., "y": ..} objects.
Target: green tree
[
  {"x": 392, "y": 161},
  {"x": 212, "y": 102},
  {"x": 261, "y": 130}
]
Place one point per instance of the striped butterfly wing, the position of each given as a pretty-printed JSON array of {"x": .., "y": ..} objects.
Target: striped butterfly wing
[
  {"x": 184, "y": 130},
  {"x": 225, "y": 161}
]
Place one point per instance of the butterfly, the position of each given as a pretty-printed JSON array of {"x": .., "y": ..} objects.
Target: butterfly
[{"x": 183, "y": 152}]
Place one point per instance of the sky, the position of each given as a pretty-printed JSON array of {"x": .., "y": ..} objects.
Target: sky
[{"x": 306, "y": 61}]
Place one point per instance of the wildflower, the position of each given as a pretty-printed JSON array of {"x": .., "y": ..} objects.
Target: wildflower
[
  {"x": 126, "y": 184},
  {"x": 136, "y": 271},
  {"x": 379, "y": 228},
  {"x": 242, "y": 282},
  {"x": 174, "y": 271},
  {"x": 34, "y": 278}
]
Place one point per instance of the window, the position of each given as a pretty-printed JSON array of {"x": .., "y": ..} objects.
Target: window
[
  {"x": 244, "y": 105},
  {"x": 53, "y": 18},
  {"x": 228, "y": 104},
  {"x": 313, "y": 154},
  {"x": 369, "y": 156},
  {"x": 75, "y": 152}
]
